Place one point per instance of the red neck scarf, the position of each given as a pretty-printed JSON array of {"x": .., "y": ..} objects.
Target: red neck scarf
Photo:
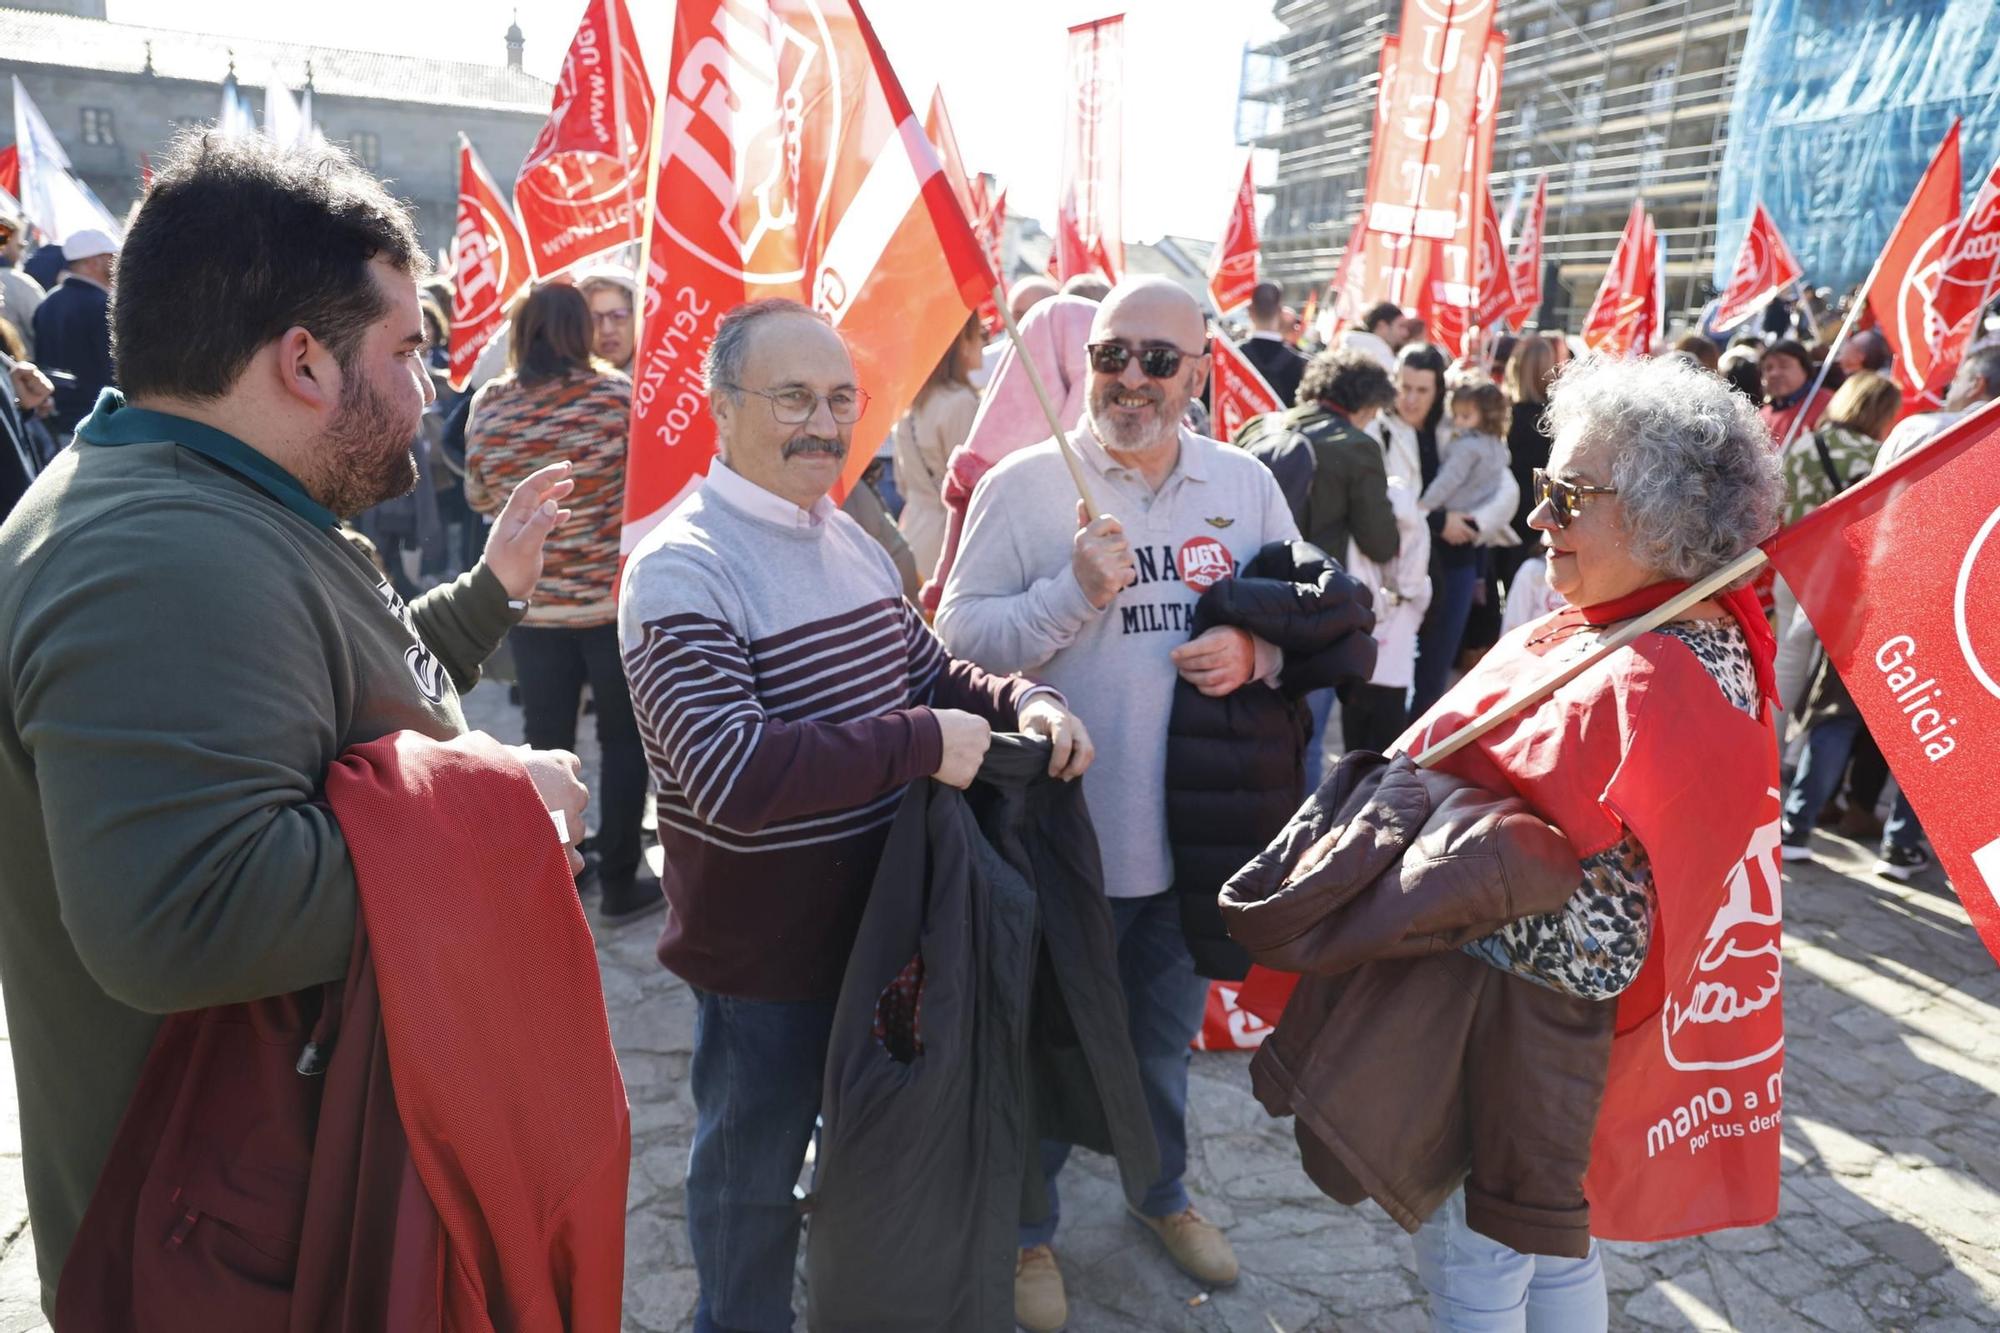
[{"x": 1741, "y": 604}]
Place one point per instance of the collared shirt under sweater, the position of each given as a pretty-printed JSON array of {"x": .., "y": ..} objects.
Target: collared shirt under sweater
[{"x": 783, "y": 688}]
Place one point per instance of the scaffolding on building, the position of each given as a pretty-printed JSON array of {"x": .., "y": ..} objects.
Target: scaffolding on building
[{"x": 1614, "y": 99}]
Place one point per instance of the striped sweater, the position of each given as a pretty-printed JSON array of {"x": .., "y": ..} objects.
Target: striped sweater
[
  {"x": 585, "y": 417},
  {"x": 783, "y": 689}
]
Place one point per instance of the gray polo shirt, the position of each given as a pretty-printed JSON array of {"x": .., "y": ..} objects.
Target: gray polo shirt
[{"x": 1012, "y": 604}]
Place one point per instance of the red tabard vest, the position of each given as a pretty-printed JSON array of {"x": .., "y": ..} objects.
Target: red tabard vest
[{"x": 1687, "y": 1141}]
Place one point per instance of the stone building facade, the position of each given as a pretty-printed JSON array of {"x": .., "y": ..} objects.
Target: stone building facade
[{"x": 115, "y": 93}]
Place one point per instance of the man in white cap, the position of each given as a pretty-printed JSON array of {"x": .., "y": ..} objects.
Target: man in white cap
[{"x": 73, "y": 327}]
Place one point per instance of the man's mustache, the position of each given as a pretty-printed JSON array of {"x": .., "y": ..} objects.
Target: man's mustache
[{"x": 814, "y": 444}]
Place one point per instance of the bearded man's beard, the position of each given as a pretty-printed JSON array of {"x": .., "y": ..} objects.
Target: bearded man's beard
[
  {"x": 365, "y": 456},
  {"x": 1150, "y": 428}
]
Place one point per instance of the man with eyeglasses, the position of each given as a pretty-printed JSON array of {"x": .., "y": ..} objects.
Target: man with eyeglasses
[
  {"x": 787, "y": 694},
  {"x": 1100, "y": 606}
]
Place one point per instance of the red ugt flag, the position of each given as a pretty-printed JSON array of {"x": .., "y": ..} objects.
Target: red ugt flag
[
  {"x": 1232, "y": 271},
  {"x": 1965, "y": 285},
  {"x": 1497, "y": 297},
  {"x": 581, "y": 187},
  {"x": 10, "y": 170},
  {"x": 1090, "y": 220},
  {"x": 1527, "y": 261},
  {"x": 969, "y": 190},
  {"x": 489, "y": 264},
  {"x": 1764, "y": 267},
  {"x": 1898, "y": 292},
  {"x": 1624, "y": 320},
  {"x": 1425, "y": 113},
  {"x": 1900, "y": 576},
  {"x": 1239, "y": 392},
  {"x": 845, "y": 207},
  {"x": 1449, "y": 301}
]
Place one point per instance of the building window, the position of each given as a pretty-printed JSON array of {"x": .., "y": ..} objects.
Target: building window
[
  {"x": 367, "y": 149},
  {"x": 97, "y": 128}
]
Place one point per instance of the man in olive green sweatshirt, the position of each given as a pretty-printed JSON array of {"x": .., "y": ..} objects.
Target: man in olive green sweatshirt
[{"x": 188, "y": 643}]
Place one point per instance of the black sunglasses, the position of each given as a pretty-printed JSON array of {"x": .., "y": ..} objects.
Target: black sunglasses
[
  {"x": 1564, "y": 498},
  {"x": 1160, "y": 363}
]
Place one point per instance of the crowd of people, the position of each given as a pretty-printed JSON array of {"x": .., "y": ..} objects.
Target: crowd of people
[{"x": 238, "y": 555}]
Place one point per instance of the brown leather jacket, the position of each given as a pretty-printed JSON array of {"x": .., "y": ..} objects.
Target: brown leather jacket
[{"x": 1411, "y": 1066}]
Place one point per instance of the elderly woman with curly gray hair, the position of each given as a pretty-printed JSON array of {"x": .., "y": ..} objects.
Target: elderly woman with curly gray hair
[
  {"x": 1658, "y": 763},
  {"x": 1648, "y": 946}
]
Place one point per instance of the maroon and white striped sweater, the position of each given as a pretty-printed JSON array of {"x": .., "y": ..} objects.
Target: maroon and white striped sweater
[{"x": 783, "y": 688}]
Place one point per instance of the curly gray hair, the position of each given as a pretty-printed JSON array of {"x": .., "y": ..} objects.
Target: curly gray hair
[{"x": 1697, "y": 477}]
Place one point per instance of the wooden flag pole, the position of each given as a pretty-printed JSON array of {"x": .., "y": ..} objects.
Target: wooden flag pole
[
  {"x": 1069, "y": 457},
  {"x": 1737, "y": 570}
]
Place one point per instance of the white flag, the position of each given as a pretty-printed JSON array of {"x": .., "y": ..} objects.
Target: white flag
[
  {"x": 309, "y": 135},
  {"x": 235, "y": 118},
  {"x": 282, "y": 122},
  {"x": 54, "y": 200}
]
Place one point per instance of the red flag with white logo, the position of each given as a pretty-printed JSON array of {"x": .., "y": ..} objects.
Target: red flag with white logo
[
  {"x": 1764, "y": 267},
  {"x": 1418, "y": 164},
  {"x": 10, "y": 170},
  {"x": 489, "y": 264},
  {"x": 937, "y": 126},
  {"x": 1449, "y": 301},
  {"x": 993, "y": 230},
  {"x": 1625, "y": 320},
  {"x": 969, "y": 190},
  {"x": 1090, "y": 217},
  {"x": 1232, "y": 269},
  {"x": 1899, "y": 291},
  {"x": 1238, "y": 392},
  {"x": 581, "y": 188},
  {"x": 1900, "y": 577},
  {"x": 1226, "y": 1025},
  {"x": 847, "y": 209},
  {"x": 1527, "y": 261},
  {"x": 1497, "y": 298},
  {"x": 1965, "y": 286}
]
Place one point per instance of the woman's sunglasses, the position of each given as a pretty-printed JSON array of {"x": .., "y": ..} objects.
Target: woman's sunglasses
[
  {"x": 1564, "y": 498},
  {"x": 1160, "y": 363}
]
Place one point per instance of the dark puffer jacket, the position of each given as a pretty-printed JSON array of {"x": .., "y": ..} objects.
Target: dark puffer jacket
[{"x": 1236, "y": 765}]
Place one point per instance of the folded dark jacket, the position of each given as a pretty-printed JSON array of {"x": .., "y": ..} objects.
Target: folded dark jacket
[
  {"x": 1413, "y": 1067},
  {"x": 1236, "y": 764}
]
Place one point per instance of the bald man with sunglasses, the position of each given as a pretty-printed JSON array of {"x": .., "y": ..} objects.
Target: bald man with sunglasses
[{"x": 1100, "y": 606}]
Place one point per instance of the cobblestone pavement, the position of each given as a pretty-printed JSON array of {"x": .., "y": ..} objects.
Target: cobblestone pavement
[{"x": 1891, "y": 1203}]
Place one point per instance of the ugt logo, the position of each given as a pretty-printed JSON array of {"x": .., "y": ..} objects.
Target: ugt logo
[
  {"x": 755, "y": 106},
  {"x": 1716, "y": 1016}
]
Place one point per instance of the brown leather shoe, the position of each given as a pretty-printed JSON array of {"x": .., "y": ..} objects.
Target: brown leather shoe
[
  {"x": 1859, "y": 825},
  {"x": 1195, "y": 1244},
  {"x": 1039, "y": 1303}
]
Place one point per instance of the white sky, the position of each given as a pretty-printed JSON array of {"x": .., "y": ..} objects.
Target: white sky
[{"x": 1000, "y": 63}]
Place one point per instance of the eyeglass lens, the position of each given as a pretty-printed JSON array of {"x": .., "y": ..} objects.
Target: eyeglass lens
[{"x": 1156, "y": 362}]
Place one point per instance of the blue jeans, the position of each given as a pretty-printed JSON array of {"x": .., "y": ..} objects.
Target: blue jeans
[
  {"x": 1902, "y": 831},
  {"x": 1478, "y": 1285},
  {"x": 1454, "y": 581},
  {"x": 1164, "y": 1000},
  {"x": 1829, "y": 743},
  {"x": 756, "y": 1079}
]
